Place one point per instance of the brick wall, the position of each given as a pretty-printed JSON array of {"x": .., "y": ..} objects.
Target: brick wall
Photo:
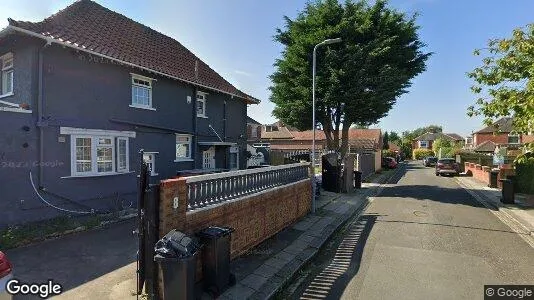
[
  {"x": 481, "y": 173},
  {"x": 479, "y": 138},
  {"x": 255, "y": 217}
]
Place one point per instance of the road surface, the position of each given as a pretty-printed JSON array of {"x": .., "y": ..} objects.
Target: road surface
[{"x": 423, "y": 237}]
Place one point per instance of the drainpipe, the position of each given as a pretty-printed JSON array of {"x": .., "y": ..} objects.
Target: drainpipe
[
  {"x": 194, "y": 141},
  {"x": 40, "y": 108}
]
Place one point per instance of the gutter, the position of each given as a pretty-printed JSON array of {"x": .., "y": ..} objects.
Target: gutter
[{"x": 66, "y": 44}]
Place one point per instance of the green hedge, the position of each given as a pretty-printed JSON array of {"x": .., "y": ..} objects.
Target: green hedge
[
  {"x": 422, "y": 153},
  {"x": 525, "y": 175}
]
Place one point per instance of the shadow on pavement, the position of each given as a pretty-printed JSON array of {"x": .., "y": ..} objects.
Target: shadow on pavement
[
  {"x": 76, "y": 259},
  {"x": 457, "y": 195},
  {"x": 331, "y": 280}
]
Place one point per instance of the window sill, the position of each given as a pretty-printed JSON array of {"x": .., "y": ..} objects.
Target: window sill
[
  {"x": 6, "y": 95},
  {"x": 203, "y": 117},
  {"x": 142, "y": 107},
  {"x": 97, "y": 175},
  {"x": 184, "y": 160}
]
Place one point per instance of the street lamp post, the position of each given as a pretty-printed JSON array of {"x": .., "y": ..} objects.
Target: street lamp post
[{"x": 325, "y": 42}]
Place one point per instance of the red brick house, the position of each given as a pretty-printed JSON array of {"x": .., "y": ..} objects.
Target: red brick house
[
  {"x": 500, "y": 133},
  {"x": 426, "y": 140}
]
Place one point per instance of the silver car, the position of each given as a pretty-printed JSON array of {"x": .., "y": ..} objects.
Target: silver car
[{"x": 6, "y": 273}]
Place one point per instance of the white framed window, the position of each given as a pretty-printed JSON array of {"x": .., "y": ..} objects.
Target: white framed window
[
  {"x": 97, "y": 152},
  {"x": 183, "y": 147},
  {"x": 513, "y": 138},
  {"x": 254, "y": 131},
  {"x": 92, "y": 155},
  {"x": 423, "y": 144},
  {"x": 141, "y": 92},
  {"x": 123, "y": 165},
  {"x": 201, "y": 105},
  {"x": 6, "y": 74},
  {"x": 150, "y": 159}
]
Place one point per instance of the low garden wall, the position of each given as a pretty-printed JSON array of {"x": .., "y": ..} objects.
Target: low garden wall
[
  {"x": 257, "y": 203},
  {"x": 482, "y": 173}
]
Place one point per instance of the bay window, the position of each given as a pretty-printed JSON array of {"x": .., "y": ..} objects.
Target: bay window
[{"x": 98, "y": 152}]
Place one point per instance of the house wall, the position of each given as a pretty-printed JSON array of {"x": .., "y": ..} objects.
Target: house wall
[
  {"x": 479, "y": 138},
  {"x": 84, "y": 92}
]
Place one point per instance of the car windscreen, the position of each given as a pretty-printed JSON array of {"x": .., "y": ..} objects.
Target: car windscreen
[
  {"x": 433, "y": 159},
  {"x": 446, "y": 161}
]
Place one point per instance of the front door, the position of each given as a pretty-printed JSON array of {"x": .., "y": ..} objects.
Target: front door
[{"x": 208, "y": 158}]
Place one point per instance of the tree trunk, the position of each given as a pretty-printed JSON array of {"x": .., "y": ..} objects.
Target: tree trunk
[{"x": 344, "y": 139}]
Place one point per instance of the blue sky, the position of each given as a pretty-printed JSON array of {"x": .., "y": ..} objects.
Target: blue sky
[{"x": 235, "y": 38}]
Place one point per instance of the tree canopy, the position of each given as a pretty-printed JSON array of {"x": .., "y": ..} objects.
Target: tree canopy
[
  {"x": 358, "y": 80},
  {"x": 385, "y": 140},
  {"x": 505, "y": 81}
]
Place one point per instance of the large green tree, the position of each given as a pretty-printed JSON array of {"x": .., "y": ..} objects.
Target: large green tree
[
  {"x": 358, "y": 80},
  {"x": 385, "y": 140},
  {"x": 505, "y": 81}
]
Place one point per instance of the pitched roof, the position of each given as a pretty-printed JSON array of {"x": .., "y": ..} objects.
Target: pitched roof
[
  {"x": 252, "y": 121},
  {"x": 432, "y": 136},
  {"x": 90, "y": 27},
  {"x": 393, "y": 146},
  {"x": 502, "y": 125},
  {"x": 362, "y": 144},
  {"x": 455, "y": 136},
  {"x": 487, "y": 146}
]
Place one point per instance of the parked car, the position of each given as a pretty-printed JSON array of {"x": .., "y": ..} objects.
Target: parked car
[
  {"x": 430, "y": 161},
  {"x": 447, "y": 166},
  {"x": 389, "y": 162},
  {"x": 5, "y": 275}
]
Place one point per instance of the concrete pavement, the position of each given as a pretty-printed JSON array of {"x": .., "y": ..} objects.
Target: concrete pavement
[{"x": 422, "y": 238}]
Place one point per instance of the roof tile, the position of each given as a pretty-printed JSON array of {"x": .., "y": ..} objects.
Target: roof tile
[{"x": 96, "y": 28}]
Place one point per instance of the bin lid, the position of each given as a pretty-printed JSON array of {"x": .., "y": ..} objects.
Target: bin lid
[
  {"x": 176, "y": 244},
  {"x": 214, "y": 232}
]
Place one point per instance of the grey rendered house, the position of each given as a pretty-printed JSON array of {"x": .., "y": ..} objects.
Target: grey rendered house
[{"x": 83, "y": 91}]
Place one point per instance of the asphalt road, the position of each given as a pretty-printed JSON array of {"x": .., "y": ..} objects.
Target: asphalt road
[{"x": 423, "y": 237}]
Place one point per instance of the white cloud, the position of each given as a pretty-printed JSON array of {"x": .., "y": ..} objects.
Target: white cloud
[{"x": 239, "y": 72}]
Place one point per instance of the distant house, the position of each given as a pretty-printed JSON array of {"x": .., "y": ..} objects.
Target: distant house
[
  {"x": 280, "y": 137},
  {"x": 426, "y": 140},
  {"x": 500, "y": 133},
  {"x": 393, "y": 147},
  {"x": 253, "y": 130}
]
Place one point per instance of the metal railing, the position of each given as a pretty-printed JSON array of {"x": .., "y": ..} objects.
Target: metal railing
[{"x": 204, "y": 190}]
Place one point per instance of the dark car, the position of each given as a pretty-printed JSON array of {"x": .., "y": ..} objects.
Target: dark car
[
  {"x": 430, "y": 161},
  {"x": 447, "y": 166}
]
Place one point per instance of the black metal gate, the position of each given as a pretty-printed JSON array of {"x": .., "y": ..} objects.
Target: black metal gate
[
  {"x": 147, "y": 230},
  {"x": 331, "y": 173}
]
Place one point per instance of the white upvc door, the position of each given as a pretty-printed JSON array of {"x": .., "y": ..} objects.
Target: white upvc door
[{"x": 208, "y": 158}]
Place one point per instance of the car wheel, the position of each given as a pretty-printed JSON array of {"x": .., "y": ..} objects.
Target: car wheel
[{"x": 437, "y": 174}]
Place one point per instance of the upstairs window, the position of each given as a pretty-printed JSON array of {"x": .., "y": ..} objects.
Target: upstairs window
[
  {"x": 6, "y": 75},
  {"x": 201, "y": 105},
  {"x": 141, "y": 92},
  {"x": 513, "y": 138},
  {"x": 423, "y": 144}
]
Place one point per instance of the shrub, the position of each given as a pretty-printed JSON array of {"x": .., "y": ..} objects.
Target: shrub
[
  {"x": 524, "y": 168},
  {"x": 388, "y": 153},
  {"x": 422, "y": 153}
]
